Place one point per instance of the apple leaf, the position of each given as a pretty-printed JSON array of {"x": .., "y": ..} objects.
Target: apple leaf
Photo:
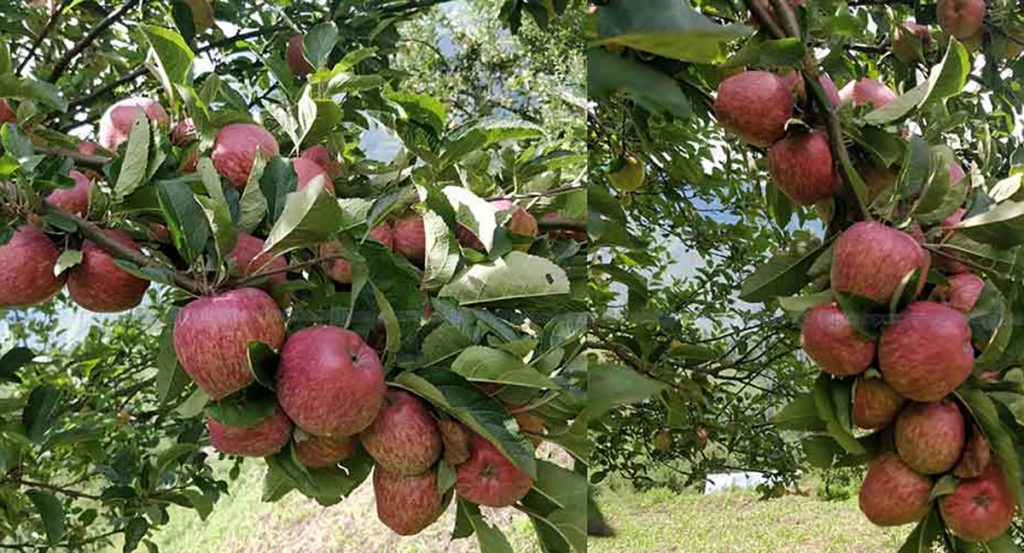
[
  {"x": 829, "y": 412},
  {"x": 40, "y": 410},
  {"x": 242, "y": 409},
  {"x": 52, "y": 513},
  {"x": 136, "y": 158},
  {"x": 926, "y": 533},
  {"x": 517, "y": 275},
  {"x": 310, "y": 216},
  {"x": 490, "y": 538},
  {"x": 609, "y": 386},
  {"x": 263, "y": 362},
  {"x": 800, "y": 414},
  {"x": 564, "y": 526},
  {"x": 986, "y": 414},
  {"x": 13, "y": 360},
  {"x": 483, "y": 364}
]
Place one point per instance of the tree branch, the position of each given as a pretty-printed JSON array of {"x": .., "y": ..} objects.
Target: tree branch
[
  {"x": 765, "y": 19},
  {"x": 63, "y": 63},
  {"x": 44, "y": 486},
  {"x": 54, "y": 17}
]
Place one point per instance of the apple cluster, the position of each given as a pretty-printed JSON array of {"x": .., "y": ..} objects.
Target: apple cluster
[
  {"x": 330, "y": 395},
  {"x": 905, "y": 378}
]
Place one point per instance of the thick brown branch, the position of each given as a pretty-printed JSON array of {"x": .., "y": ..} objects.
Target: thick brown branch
[{"x": 62, "y": 64}]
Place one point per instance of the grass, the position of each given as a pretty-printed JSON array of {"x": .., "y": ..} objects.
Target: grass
[{"x": 662, "y": 521}]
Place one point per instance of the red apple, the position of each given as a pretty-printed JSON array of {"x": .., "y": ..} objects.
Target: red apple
[
  {"x": 892, "y": 494},
  {"x": 410, "y": 237},
  {"x": 404, "y": 438},
  {"x": 246, "y": 255},
  {"x": 456, "y": 438},
  {"x": 867, "y": 91},
  {"x": 339, "y": 269},
  {"x": 926, "y": 352},
  {"x": 330, "y": 382},
  {"x": 871, "y": 261},
  {"x": 7, "y": 114},
  {"x": 754, "y": 106},
  {"x": 235, "y": 147},
  {"x": 961, "y": 291},
  {"x": 930, "y": 436},
  {"x": 976, "y": 458},
  {"x": 99, "y": 285},
  {"x": 901, "y": 44},
  {"x": 317, "y": 451},
  {"x": 830, "y": 340},
  {"x": 488, "y": 478},
  {"x": 961, "y": 18},
  {"x": 875, "y": 403},
  {"x": 801, "y": 166},
  {"x": 980, "y": 509},
  {"x": 116, "y": 123},
  {"x": 406, "y": 504},
  {"x": 73, "y": 200},
  {"x": 26, "y": 269},
  {"x": 296, "y": 57},
  {"x": 263, "y": 438},
  {"x": 212, "y": 335},
  {"x": 307, "y": 170},
  {"x": 319, "y": 155}
]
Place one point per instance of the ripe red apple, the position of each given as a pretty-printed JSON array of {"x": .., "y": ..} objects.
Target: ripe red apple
[
  {"x": 795, "y": 82},
  {"x": 410, "y": 237},
  {"x": 456, "y": 439},
  {"x": 523, "y": 224},
  {"x": 960, "y": 292},
  {"x": 830, "y": 340},
  {"x": 339, "y": 269},
  {"x": 926, "y": 352},
  {"x": 7, "y": 114},
  {"x": 212, "y": 335},
  {"x": 488, "y": 478},
  {"x": 329, "y": 381},
  {"x": 73, "y": 200},
  {"x": 234, "y": 150},
  {"x": 87, "y": 147},
  {"x": 892, "y": 494},
  {"x": 116, "y": 123},
  {"x": 26, "y": 269},
  {"x": 901, "y": 44},
  {"x": 875, "y": 403},
  {"x": 980, "y": 509},
  {"x": 263, "y": 438},
  {"x": 871, "y": 260},
  {"x": 406, "y": 504},
  {"x": 246, "y": 255},
  {"x": 404, "y": 438},
  {"x": 754, "y": 106},
  {"x": 317, "y": 451},
  {"x": 801, "y": 166},
  {"x": 296, "y": 57},
  {"x": 306, "y": 170},
  {"x": 976, "y": 458},
  {"x": 961, "y": 18},
  {"x": 184, "y": 132},
  {"x": 867, "y": 91},
  {"x": 930, "y": 436},
  {"x": 99, "y": 285},
  {"x": 319, "y": 155}
]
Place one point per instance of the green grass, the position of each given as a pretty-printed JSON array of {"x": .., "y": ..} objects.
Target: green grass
[{"x": 662, "y": 521}]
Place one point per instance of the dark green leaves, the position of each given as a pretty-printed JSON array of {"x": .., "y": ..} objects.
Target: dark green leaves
[
  {"x": 29, "y": 89},
  {"x": 945, "y": 79},
  {"x": 243, "y": 409},
  {"x": 136, "y": 158},
  {"x": 14, "y": 359},
  {"x": 318, "y": 43},
  {"x": 517, "y": 275},
  {"x": 185, "y": 218},
  {"x": 649, "y": 88},
  {"x": 609, "y": 386},
  {"x": 40, "y": 410},
  {"x": 52, "y": 513},
  {"x": 783, "y": 275},
  {"x": 483, "y": 364},
  {"x": 310, "y": 216},
  {"x": 173, "y": 55}
]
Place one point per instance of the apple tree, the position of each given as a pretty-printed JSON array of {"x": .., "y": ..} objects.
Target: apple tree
[
  {"x": 805, "y": 228},
  {"x": 324, "y": 269}
]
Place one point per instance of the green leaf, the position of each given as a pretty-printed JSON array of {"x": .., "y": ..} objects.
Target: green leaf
[
  {"x": 253, "y": 204},
  {"x": 801, "y": 414},
  {"x": 783, "y": 275},
  {"x": 225, "y": 234},
  {"x": 945, "y": 486},
  {"x": 67, "y": 260},
  {"x": 134, "y": 531},
  {"x": 200, "y": 502},
  {"x": 473, "y": 212},
  {"x": 172, "y": 52},
  {"x": 827, "y": 411},
  {"x": 45, "y": 93},
  {"x": 820, "y": 451},
  {"x": 243, "y": 409},
  {"x": 136, "y": 158},
  {"x": 442, "y": 252},
  {"x": 1000, "y": 439},
  {"x": 193, "y": 405},
  {"x": 517, "y": 275},
  {"x": 454, "y": 395},
  {"x": 490, "y": 538},
  {"x": 263, "y": 362},
  {"x": 926, "y": 533},
  {"x": 770, "y": 54},
  {"x": 1002, "y": 226},
  {"x": 171, "y": 379},
  {"x": 38, "y": 415},
  {"x": 484, "y": 133},
  {"x": 483, "y": 364},
  {"x": 310, "y": 216},
  {"x": 945, "y": 79},
  {"x": 610, "y": 386},
  {"x": 566, "y": 525},
  {"x": 318, "y": 43},
  {"x": 52, "y": 513},
  {"x": 667, "y": 28},
  {"x": 13, "y": 360},
  {"x": 652, "y": 90},
  {"x": 185, "y": 218}
]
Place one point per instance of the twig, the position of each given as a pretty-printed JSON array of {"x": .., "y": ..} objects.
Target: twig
[
  {"x": 67, "y": 545},
  {"x": 54, "y": 17},
  {"x": 52, "y": 488},
  {"x": 765, "y": 19},
  {"x": 63, "y": 63},
  {"x": 561, "y": 223}
]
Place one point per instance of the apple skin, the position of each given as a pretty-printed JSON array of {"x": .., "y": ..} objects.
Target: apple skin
[
  {"x": 212, "y": 335},
  {"x": 926, "y": 353},
  {"x": 99, "y": 285},
  {"x": 795, "y": 81},
  {"x": 960, "y": 292},
  {"x": 488, "y": 478},
  {"x": 456, "y": 439},
  {"x": 754, "y": 106},
  {"x": 246, "y": 256},
  {"x": 73, "y": 200},
  {"x": 900, "y": 44},
  {"x": 7, "y": 114},
  {"x": 339, "y": 269},
  {"x": 961, "y": 18},
  {"x": 297, "y": 62},
  {"x": 532, "y": 425},
  {"x": 330, "y": 382},
  {"x": 866, "y": 91},
  {"x": 980, "y": 509},
  {"x": 976, "y": 458},
  {"x": 406, "y": 504},
  {"x": 266, "y": 437},
  {"x": 184, "y": 132},
  {"x": 871, "y": 260},
  {"x": 410, "y": 238},
  {"x": 234, "y": 150},
  {"x": 116, "y": 123},
  {"x": 26, "y": 269},
  {"x": 801, "y": 166},
  {"x": 404, "y": 438},
  {"x": 315, "y": 451},
  {"x": 828, "y": 338},
  {"x": 892, "y": 494},
  {"x": 523, "y": 224},
  {"x": 321, "y": 156},
  {"x": 306, "y": 170},
  {"x": 875, "y": 403},
  {"x": 930, "y": 436}
]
